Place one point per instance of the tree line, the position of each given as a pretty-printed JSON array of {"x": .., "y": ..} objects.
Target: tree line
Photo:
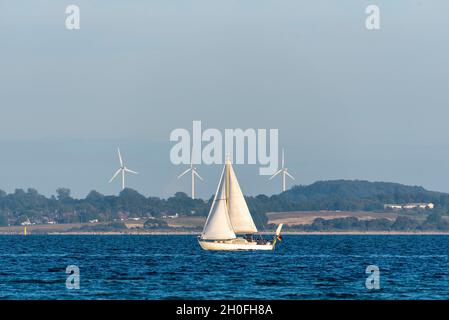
[
  {"x": 433, "y": 222},
  {"x": 348, "y": 195}
]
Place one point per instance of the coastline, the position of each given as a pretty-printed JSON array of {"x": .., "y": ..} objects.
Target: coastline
[{"x": 195, "y": 233}]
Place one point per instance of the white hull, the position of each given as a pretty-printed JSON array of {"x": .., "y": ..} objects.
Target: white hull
[{"x": 234, "y": 245}]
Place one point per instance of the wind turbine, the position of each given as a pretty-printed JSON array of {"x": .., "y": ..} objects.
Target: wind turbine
[
  {"x": 194, "y": 173},
  {"x": 284, "y": 172},
  {"x": 123, "y": 169}
]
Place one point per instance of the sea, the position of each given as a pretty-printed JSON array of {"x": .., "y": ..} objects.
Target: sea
[{"x": 354, "y": 267}]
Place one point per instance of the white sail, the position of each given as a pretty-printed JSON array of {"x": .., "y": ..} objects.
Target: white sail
[
  {"x": 239, "y": 214},
  {"x": 218, "y": 225}
]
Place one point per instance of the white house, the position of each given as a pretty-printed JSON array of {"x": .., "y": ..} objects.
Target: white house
[
  {"x": 409, "y": 206},
  {"x": 392, "y": 206}
]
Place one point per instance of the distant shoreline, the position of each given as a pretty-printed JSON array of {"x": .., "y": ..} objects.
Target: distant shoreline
[{"x": 193, "y": 233}]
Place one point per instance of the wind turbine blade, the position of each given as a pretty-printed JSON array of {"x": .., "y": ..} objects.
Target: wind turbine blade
[
  {"x": 120, "y": 157},
  {"x": 274, "y": 175},
  {"x": 184, "y": 173},
  {"x": 115, "y": 175},
  {"x": 130, "y": 171},
  {"x": 196, "y": 173},
  {"x": 288, "y": 174}
]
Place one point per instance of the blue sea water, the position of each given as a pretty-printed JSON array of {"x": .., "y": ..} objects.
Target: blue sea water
[{"x": 174, "y": 267}]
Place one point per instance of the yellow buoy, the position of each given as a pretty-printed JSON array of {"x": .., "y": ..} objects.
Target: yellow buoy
[{"x": 25, "y": 231}]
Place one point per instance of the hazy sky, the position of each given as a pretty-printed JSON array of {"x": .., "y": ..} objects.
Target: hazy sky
[{"x": 348, "y": 102}]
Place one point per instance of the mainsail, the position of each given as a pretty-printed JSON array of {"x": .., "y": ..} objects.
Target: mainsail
[
  {"x": 241, "y": 219},
  {"x": 218, "y": 225}
]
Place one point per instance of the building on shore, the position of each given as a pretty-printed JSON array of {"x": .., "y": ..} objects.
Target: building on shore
[{"x": 409, "y": 206}]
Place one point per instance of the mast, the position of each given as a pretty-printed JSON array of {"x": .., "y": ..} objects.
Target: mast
[{"x": 227, "y": 165}]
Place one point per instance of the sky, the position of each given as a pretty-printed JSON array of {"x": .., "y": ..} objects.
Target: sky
[{"x": 349, "y": 103}]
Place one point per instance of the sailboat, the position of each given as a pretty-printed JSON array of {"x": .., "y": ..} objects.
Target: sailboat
[{"x": 229, "y": 217}]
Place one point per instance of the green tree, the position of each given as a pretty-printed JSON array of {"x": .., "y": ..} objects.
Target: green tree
[
  {"x": 4, "y": 219},
  {"x": 63, "y": 194}
]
